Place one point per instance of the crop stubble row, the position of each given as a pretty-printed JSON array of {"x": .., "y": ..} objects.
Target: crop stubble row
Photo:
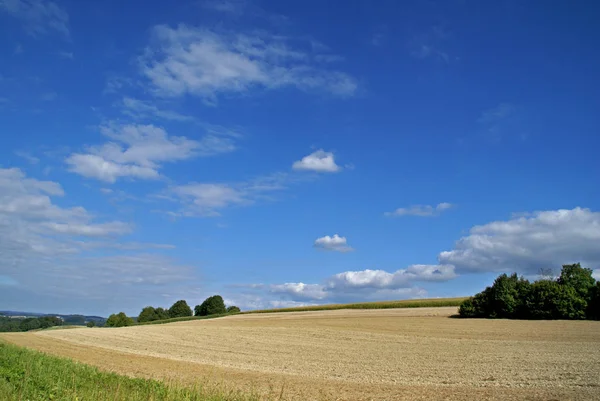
[{"x": 374, "y": 354}]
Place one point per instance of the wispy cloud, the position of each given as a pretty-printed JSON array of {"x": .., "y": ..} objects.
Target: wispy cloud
[
  {"x": 431, "y": 44},
  {"x": 140, "y": 109},
  {"x": 497, "y": 120},
  {"x": 39, "y": 17},
  {"x": 319, "y": 161},
  {"x": 67, "y": 55},
  {"x": 200, "y": 62},
  {"x": 235, "y": 7},
  {"x": 138, "y": 151},
  {"x": 28, "y": 157},
  {"x": 208, "y": 199},
  {"x": 420, "y": 210}
]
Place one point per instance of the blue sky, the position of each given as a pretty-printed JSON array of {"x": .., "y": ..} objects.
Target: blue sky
[{"x": 283, "y": 153}]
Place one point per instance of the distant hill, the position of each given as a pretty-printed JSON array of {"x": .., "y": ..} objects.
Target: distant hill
[{"x": 68, "y": 319}]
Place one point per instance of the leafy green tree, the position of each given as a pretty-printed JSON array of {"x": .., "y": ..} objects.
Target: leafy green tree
[
  {"x": 162, "y": 313},
  {"x": 577, "y": 277},
  {"x": 550, "y": 300},
  {"x": 91, "y": 323},
  {"x": 119, "y": 320},
  {"x": 233, "y": 309},
  {"x": 211, "y": 306},
  {"x": 593, "y": 307},
  {"x": 148, "y": 314},
  {"x": 180, "y": 309},
  {"x": 507, "y": 296}
]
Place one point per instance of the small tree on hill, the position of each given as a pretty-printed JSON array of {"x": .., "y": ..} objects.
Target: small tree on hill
[
  {"x": 233, "y": 309},
  {"x": 91, "y": 323},
  {"x": 180, "y": 309},
  {"x": 148, "y": 314},
  {"x": 211, "y": 306},
  {"x": 161, "y": 313},
  {"x": 119, "y": 320}
]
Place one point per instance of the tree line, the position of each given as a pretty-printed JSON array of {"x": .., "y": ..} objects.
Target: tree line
[
  {"x": 575, "y": 294},
  {"x": 8, "y": 324},
  {"x": 213, "y": 305}
]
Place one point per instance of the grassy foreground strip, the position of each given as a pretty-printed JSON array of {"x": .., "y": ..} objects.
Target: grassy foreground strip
[
  {"x": 34, "y": 376},
  {"x": 408, "y": 303}
]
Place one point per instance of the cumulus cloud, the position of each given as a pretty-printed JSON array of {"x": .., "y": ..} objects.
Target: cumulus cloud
[
  {"x": 138, "y": 151},
  {"x": 39, "y": 17},
  {"x": 527, "y": 243},
  {"x": 366, "y": 284},
  {"x": 335, "y": 243},
  {"x": 318, "y": 161},
  {"x": 50, "y": 252},
  {"x": 420, "y": 210},
  {"x": 200, "y": 62}
]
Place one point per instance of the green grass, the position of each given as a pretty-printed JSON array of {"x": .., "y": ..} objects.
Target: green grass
[
  {"x": 409, "y": 303},
  {"x": 34, "y": 376}
]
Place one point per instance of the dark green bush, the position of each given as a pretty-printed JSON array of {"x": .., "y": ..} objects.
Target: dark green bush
[
  {"x": 119, "y": 320},
  {"x": 233, "y": 309},
  {"x": 211, "y": 306},
  {"x": 574, "y": 295},
  {"x": 180, "y": 309}
]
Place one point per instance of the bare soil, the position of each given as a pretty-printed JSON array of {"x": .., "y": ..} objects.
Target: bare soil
[{"x": 391, "y": 354}]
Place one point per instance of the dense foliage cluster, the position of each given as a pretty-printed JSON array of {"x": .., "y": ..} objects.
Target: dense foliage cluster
[
  {"x": 31, "y": 323},
  {"x": 575, "y": 294},
  {"x": 180, "y": 309},
  {"x": 119, "y": 320},
  {"x": 150, "y": 314},
  {"x": 211, "y": 306}
]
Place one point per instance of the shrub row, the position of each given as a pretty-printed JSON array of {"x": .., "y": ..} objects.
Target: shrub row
[{"x": 575, "y": 294}]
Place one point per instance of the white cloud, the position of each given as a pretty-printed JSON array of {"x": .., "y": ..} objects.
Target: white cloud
[
  {"x": 27, "y": 204},
  {"x": 545, "y": 239},
  {"x": 335, "y": 243},
  {"x": 300, "y": 290},
  {"x": 186, "y": 60},
  {"x": 420, "y": 210},
  {"x": 28, "y": 156},
  {"x": 90, "y": 230},
  {"x": 366, "y": 284},
  {"x": 318, "y": 161},
  {"x": 45, "y": 247},
  {"x": 431, "y": 44},
  {"x": 137, "y": 151},
  {"x": 143, "y": 110},
  {"x": 40, "y": 17},
  {"x": 206, "y": 199}
]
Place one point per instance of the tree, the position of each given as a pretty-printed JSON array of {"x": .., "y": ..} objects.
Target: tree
[
  {"x": 233, "y": 309},
  {"x": 91, "y": 323},
  {"x": 211, "y": 306},
  {"x": 577, "y": 277},
  {"x": 148, "y": 314},
  {"x": 119, "y": 320},
  {"x": 593, "y": 308},
  {"x": 550, "y": 300},
  {"x": 162, "y": 313},
  {"x": 180, "y": 309}
]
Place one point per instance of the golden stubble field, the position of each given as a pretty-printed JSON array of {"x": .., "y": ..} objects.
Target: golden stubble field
[{"x": 351, "y": 354}]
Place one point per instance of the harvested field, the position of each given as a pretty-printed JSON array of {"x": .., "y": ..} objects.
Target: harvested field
[{"x": 352, "y": 354}]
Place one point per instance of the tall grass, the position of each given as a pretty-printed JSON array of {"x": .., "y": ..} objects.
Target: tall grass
[
  {"x": 31, "y": 375},
  {"x": 409, "y": 303}
]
